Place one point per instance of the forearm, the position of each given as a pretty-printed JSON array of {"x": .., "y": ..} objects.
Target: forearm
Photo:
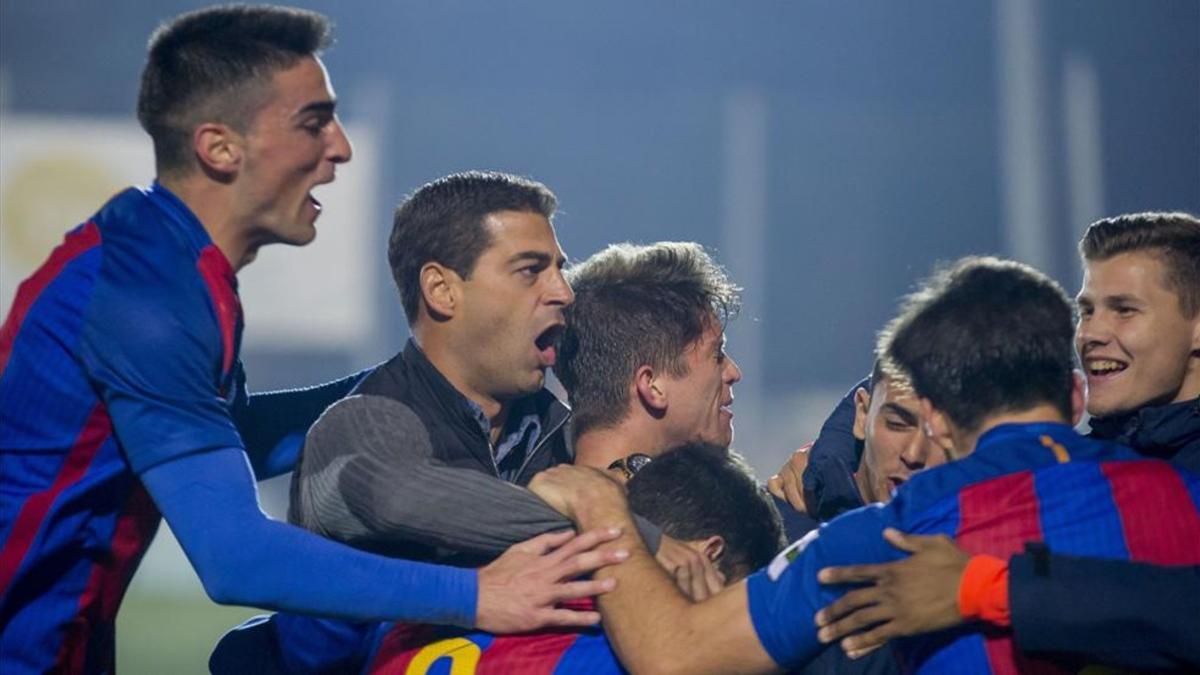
[
  {"x": 1121, "y": 613},
  {"x": 653, "y": 627},
  {"x": 457, "y": 509},
  {"x": 242, "y": 557}
]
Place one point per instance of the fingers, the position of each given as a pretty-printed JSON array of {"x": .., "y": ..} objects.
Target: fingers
[
  {"x": 913, "y": 543},
  {"x": 775, "y": 487},
  {"x": 568, "y": 618},
  {"x": 583, "y": 542},
  {"x": 859, "y": 653},
  {"x": 714, "y": 581},
  {"x": 573, "y": 590},
  {"x": 544, "y": 543},
  {"x": 857, "y": 646},
  {"x": 852, "y": 574},
  {"x": 584, "y": 563},
  {"x": 793, "y": 490},
  {"x": 846, "y": 604},
  {"x": 862, "y": 618},
  {"x": 683, "y": 579}
]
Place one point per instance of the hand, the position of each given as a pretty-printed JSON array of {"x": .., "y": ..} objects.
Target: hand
[
  {"x": 918, "y": 594},
  {"x": 693, "y": 572},
  {"x": 788, "y": 484},
  {"x": 566, "y": 487},
  {"x": 519, "y": 590}
]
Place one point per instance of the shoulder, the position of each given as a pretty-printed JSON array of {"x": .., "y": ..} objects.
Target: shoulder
[{"x": 364, "y": 423}]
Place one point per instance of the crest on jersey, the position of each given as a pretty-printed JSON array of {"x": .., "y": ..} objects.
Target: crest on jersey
[{"x": 787, "y": 555}]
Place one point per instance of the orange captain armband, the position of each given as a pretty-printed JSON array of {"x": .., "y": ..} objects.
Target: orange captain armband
[{"x": 983, "y": 591}]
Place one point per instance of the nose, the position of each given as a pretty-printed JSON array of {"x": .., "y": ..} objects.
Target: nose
[
  {"x": 339, "y": 150},
  {"x": 560, "y": 292},
  {"x": 1093, "y": 330},
  {"x": 916, "y": 453},
  {"x": 733, "y": 372}
]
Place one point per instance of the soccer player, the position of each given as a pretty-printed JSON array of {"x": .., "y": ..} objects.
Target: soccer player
[
  {"x": 705, "y": 498},
  {"x": 891, "y": 445},
  {"x": 120, "y": 379},
  {"x": 1138, "y": 337},
  {"x": 987, "y": 348}
]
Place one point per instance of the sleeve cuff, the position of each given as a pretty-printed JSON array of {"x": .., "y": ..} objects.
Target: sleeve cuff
[{"x": 983, "y": 591}]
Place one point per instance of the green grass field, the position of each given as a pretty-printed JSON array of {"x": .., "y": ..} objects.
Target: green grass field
[{"x": 170, "y": 634}]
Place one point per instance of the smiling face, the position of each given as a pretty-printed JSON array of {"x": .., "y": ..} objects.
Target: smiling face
[
  {"x": 895, "y": 446},
  {"x": 1136, "y": 346},
  {"x": 292, "y": 145},
  {"x": 511, "y": 310},
  {"x": 699, "y": 403}
]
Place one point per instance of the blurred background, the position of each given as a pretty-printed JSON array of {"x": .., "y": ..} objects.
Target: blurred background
[{"x": 827, "y": 153}]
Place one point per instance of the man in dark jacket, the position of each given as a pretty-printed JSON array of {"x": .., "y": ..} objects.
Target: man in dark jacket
[
  {"x": 479, "y": 271},
  {"x": 1138, "y": 338}
]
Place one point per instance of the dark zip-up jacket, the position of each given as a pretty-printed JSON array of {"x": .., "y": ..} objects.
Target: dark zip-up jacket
[{"x": 403, "y": 467}]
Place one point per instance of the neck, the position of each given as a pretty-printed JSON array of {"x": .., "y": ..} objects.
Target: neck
[
  {"x": 443, "y": 357},
  {"x": 864, "y": 487},
  {"x": 597, "y": 448},
  {"x": 211, "y": 202},
  {"x": 965, "y": 442}
]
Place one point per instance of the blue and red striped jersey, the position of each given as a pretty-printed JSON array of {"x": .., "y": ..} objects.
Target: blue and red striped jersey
[
  {"x": 423, "y": 649},
  {"x": 119, "y": 353},
  {"x": 1023, "y": 483},
  {"x": 293, "y": 643}
]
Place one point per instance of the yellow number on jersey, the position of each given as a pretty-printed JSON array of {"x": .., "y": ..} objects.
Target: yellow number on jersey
[{"x": 463, "y": 654}]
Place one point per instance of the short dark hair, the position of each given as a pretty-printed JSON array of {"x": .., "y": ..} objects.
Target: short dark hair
[
  {"x": 1174, "y": 238},
  {"x": 443, "y": 222},
  {"x": 695, "y": 492},
  {"x": 212, "y": 65},
  {"x": 981, "y": 337},
  {"x": 635, "y": 305}
]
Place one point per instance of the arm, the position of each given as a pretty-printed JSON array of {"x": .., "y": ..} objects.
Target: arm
[
  {"x": 1121, "y": 613},
  {"x": 369, "y": 475},
  {"x": 242, "y": 557},
  {"x": 652, "y": 626},
  {"x": 272, "y": 424},
  {"x": 915, "y": 595},
  {"x": 816, "y": 478}
]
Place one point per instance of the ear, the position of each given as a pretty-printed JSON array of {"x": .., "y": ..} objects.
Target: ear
[
  {"x": 439, "y": 289},
  {"x": 218, "y": 147},
  {"x": 1078, "y": 396},
  {"x": 862, "y": 404},
  {"x": 1196, "y": 335},
  {"x": 938, "y": 429},
  {"x": 713, "y": 547},
  {"x": 650, "y": 388}
]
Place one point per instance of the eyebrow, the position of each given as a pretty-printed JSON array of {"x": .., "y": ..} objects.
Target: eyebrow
[
  {"x": 537, "y": 256},
  {"x": 900, "y": 410},
  {"x": 1123, "y": 299},
  {"x": 317, "y": 107}
]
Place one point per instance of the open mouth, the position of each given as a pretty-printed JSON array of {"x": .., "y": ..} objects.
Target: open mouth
[
  {"x": 897, "y": 481},
  {"x": 547, "y": 343},
  {"x": 1102, "y": 368}
]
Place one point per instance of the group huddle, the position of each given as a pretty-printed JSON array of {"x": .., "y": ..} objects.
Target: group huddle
[{"x": 449, "y": 513}]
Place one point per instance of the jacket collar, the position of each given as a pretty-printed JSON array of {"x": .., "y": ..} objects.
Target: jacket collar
[
  {"x": 551, "y": 412},
  {"x": 1156, "y": 431}
]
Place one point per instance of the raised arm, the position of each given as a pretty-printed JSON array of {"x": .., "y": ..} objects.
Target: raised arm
[{"x": 242, "y": 557}]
